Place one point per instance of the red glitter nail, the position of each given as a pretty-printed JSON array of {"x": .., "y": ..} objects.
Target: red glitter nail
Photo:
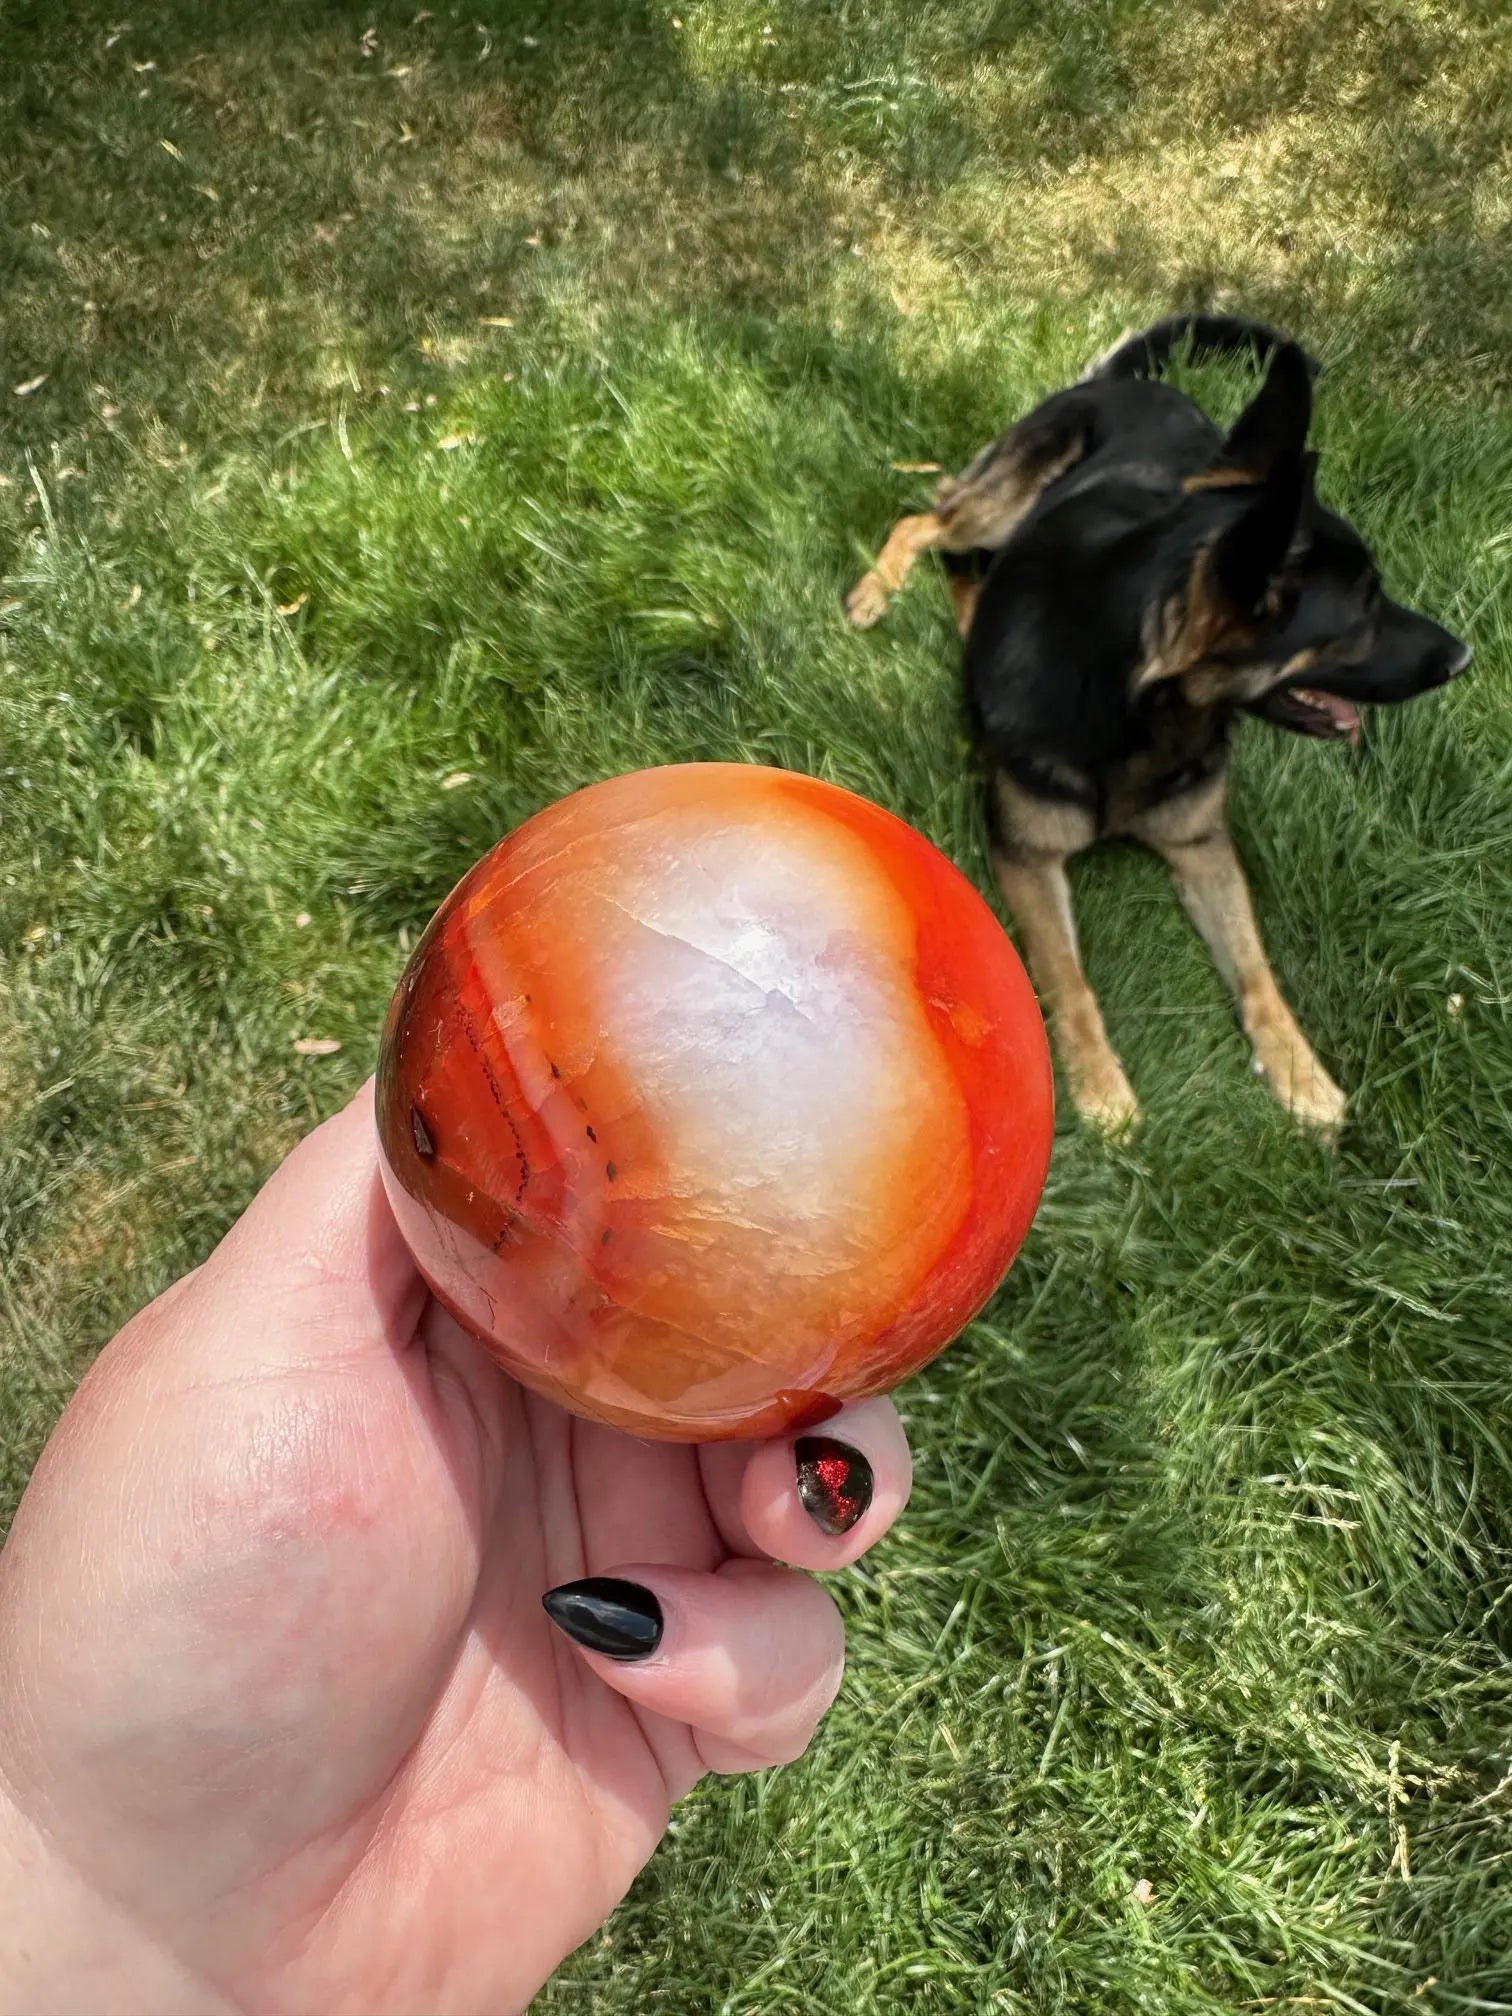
[{"x": 834, "y": 1482}]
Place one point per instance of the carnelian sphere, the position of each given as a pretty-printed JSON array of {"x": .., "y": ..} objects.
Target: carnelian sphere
[{"x": 713, "y": 1097}]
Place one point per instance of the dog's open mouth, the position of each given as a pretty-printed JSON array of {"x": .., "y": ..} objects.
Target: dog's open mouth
[{"x": 1307, "y": 711}]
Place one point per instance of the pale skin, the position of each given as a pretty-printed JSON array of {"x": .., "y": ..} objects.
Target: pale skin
[{"x": 283, "y": 1725}]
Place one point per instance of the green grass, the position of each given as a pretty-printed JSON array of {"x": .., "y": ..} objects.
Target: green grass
[{"x": 313, "y": 581}]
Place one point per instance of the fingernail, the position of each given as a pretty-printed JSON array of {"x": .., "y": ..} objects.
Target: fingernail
[
  {"x": 834, "y": 1482},
  {"x": 603, "y": 1614}
]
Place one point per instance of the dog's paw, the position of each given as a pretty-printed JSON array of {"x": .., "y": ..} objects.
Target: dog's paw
[
  {"x": 867, "y": 602},
  {"x": 1308, "y": 1093},
  {"x": 1105, "y": 1100},
  {"x": 1319, "y": 1105}
]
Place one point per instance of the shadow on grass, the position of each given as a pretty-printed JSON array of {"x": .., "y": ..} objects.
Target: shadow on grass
[{"x": 216, "y": 220}]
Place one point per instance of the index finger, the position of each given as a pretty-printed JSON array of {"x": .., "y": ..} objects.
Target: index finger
[{"x": 320, "y": 1240}]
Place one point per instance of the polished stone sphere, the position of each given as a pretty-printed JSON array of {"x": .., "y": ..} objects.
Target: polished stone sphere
[{"x": 712, "y": 1098}]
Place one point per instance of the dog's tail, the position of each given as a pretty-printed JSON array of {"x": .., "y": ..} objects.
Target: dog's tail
[{"x": 1148, "y": 353}]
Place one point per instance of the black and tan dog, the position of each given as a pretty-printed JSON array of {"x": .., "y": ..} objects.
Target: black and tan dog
[{"x": 1129, "y": 581}]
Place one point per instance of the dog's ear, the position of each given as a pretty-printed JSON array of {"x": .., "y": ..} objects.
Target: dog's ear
[
  {"x": 1248, "y": 556},
  {"x": 1271, "y": 430},
  {"x": 1219, "y": 611}
]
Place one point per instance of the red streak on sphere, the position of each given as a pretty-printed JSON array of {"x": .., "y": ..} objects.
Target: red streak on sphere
[{"x": 712, "y": 1098}]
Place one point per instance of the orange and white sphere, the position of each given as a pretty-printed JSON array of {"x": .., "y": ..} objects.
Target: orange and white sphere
[{"x": 712, "y": 1098}]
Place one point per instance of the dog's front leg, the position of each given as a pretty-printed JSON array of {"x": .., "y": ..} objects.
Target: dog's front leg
[
  {"x": 908, "y": 541},
  {"x": 1038, "y": 892},
  {"x": 1212, "y": 886}
]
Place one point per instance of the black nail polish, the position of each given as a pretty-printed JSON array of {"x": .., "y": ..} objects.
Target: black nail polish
[
  {"x": 603, "y": 1614},
  {"x": 834, "y": 1482}
]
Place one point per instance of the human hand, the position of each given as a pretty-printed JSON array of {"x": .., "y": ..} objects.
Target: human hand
[{"x": 283, "y": 1723}]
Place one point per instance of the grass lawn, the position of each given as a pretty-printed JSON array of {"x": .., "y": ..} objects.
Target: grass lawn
[{"x": 406, "y": 417}]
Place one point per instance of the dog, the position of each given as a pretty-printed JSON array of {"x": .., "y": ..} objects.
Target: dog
[{"x": 1129, "y": 582}]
